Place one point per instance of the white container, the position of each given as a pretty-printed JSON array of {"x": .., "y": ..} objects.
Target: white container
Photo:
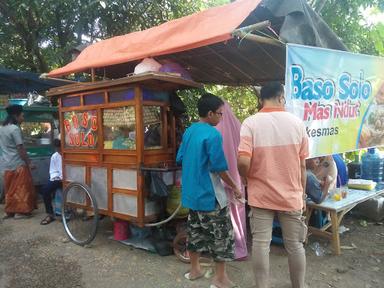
[
  {"x": 44, "y": 141},
  {"x": 372, "y": 208}
]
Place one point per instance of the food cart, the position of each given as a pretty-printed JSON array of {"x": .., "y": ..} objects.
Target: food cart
[
  {"x": 106, "y": 124},
  {"x": 113, "y": 131}
]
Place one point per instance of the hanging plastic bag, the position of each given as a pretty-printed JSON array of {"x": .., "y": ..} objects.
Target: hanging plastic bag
[
  {"x": 173, "y": 67},
  {"x": 177, "y": 105},
  {"x": 147, "y": 65},
  {"x": 158, "y": 189}
]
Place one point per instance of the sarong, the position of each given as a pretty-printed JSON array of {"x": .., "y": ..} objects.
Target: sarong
[{"x": 20, "y": 194}]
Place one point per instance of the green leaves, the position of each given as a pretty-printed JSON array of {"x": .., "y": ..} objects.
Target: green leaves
[
  {"x": 40, "y": 34},
  {"x": 348, "y": 19},
  {"x": 377, "y": 36},
  {"x": 243, "y": 100}
]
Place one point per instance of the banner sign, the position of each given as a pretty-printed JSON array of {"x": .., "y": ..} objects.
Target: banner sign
[
  {"x": 339, "y": 95},
  {"x": 81, "y": 129}
]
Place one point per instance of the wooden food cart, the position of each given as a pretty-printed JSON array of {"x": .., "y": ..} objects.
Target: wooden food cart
[
  {"x": 110, "y": 132},
  {"x": 240, "y": 43}
]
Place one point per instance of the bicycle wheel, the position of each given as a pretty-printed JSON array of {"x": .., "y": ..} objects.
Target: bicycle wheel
[
  {"x": 180, "y": 247},
  {"x": 181, "y": 252},
  {"x": 79, "y": 213}
]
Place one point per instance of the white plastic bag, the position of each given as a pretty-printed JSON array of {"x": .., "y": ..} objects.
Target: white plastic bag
[{"x": 147, "y": 65}]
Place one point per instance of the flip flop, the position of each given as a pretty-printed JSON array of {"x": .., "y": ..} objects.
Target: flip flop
[
  {"x": 6, "y": 216},
  {"x": 22, "y": 216},
  {"x": 47, "y": 220},
  {"x": 214, "y": 286},
  {"x": 187, "y": 276}
]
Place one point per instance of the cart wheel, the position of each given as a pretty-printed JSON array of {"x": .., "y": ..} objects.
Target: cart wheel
[
  {"x": 180, "y": 250},
  {"x": 79, "y": 213},
  {"x": 180, "y": 247}
]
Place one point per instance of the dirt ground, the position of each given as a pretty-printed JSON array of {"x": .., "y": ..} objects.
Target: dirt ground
[{"x": 34, "y": 256}]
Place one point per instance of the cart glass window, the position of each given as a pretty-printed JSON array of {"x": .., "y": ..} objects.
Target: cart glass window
[
  {"x": 70, "y": 101},
  {"x": 120, "y": 96},
  {"x": 36, "y": 133},
  {"x": 94, "y": 99},
  {"x": 152, "y": 127},
  {"x": 119, "y": 126},
  {"x": 152, "y": 95},
  {"x": 80, "y": 128}
]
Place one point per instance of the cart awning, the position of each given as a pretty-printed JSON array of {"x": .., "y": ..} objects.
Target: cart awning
[
  {"x": 200, "y": 29},
  {"x": 204, "y": 45}
]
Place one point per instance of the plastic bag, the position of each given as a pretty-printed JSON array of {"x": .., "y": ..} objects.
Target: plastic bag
[
  {"x": 177, "y": 105},
  {"x": 36, "y": 99},
  {"x": 147, "y": 65},
  {"x": 172, "y": 67},
  {"x": 157, "y": 187}
]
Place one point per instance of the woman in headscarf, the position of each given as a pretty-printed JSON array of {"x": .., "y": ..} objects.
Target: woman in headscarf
[
  {"x": 18, "y": 185},
  {"x": 229, "y": 128}
]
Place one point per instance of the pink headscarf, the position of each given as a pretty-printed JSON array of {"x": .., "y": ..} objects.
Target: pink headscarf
[{"x": 229, "y": 128}]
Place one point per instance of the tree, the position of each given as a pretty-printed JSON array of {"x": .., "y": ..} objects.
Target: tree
[
  {"x": 346, "y": 18},
  {"x": 38, "y": 35}
]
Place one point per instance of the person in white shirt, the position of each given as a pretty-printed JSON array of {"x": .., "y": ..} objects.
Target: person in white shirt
[{"x": 55, "y": 182}]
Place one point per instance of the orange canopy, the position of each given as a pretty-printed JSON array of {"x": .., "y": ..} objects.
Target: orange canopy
[{"x": 200, "y": 29}]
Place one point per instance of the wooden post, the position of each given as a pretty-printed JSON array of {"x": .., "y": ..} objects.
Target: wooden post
[
  {"x": 335, "y": 233},
  {"x": 259, "y": 39},
  {"x": 253, "y": 27},
  {"x": 140, "y": 154},
  {"x": 244, "y": 32},
  {"x": 93, "y": 74}
]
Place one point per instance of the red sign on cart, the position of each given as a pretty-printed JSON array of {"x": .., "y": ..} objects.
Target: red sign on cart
[{"x": 80, "y": 129}]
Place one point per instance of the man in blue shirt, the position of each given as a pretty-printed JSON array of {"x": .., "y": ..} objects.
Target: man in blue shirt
[{"x": 203, "y": 165}]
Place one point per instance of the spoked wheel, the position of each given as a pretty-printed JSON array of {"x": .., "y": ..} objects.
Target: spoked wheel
[
  {"x": 180, "y": 247},
  {"x": 79, "y": 213},
  {"x": 181, "y": 252}
]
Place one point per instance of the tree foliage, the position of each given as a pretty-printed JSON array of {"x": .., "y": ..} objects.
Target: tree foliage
[
  {"x": 38, "y": 35},
  {"x": 243, "y": 100},
  {"x": 347, "y": 19}
]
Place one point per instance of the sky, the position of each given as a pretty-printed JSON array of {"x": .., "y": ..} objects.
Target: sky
[{"x": 372, "y": 16}]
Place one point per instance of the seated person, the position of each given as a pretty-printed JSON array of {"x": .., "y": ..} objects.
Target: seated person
[
  {"x": 55, "y": 181},
  {"x": 125, "y": 139},
  {"x": 327, "y": 167},
  {"x": 316, "y": 189}
]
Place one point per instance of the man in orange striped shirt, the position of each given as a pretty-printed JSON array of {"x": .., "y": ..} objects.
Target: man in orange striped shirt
[{"x": 272, "y": 151}]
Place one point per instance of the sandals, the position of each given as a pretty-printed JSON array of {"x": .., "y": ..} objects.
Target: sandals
[
  {"x": 187, "y": 276},
  {"x": 22, "y": 216},
  {"x": 47, "y": 220},
  {"x": 214, "y": 286},
  {"x": 8, "y": 216}
]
